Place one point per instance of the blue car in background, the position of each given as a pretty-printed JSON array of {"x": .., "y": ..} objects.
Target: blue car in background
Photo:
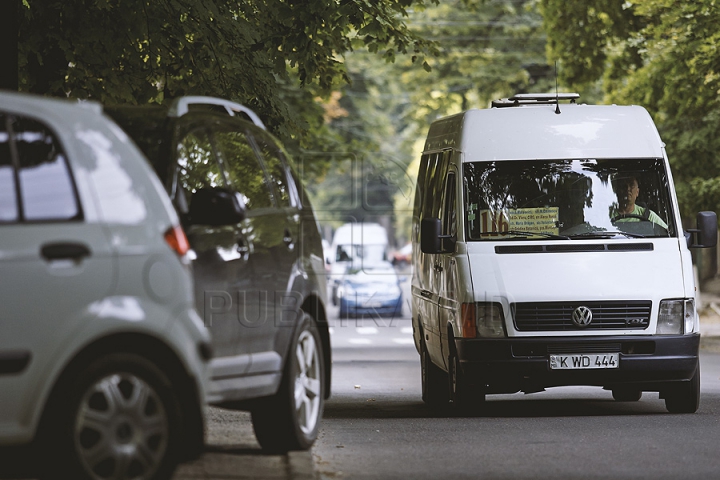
[{"x": 371, "y": 290}]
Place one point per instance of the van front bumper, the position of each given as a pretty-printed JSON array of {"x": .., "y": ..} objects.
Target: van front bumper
[{"x": 510, "y": 365}]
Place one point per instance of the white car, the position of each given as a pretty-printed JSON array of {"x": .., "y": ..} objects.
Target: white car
[{"x": 103, "y": 359}]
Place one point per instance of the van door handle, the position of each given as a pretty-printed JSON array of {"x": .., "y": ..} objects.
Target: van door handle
[
  {"x": 425, "y": 293},
  {"x": 64, "y": 251}
]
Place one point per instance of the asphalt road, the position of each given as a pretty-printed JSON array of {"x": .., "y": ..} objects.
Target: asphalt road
[{"x": 376, "y": 425}]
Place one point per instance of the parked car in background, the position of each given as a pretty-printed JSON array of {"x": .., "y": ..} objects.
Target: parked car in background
[
  {"x": 373, "y": 290},
  {"x": 103, "y": 358},
  {"x": 403, "y": 256},
  {"x": 258, "y": 260}
]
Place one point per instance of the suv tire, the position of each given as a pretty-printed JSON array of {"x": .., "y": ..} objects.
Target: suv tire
[{"x": 290, "y": 419}]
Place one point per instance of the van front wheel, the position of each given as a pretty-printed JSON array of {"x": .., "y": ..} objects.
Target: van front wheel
[
  {"x": 434, "y": 380},
  {"x": 685, "y": 397}
]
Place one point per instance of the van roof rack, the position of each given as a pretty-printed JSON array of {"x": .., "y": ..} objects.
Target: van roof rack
[
  {"x": 180, "y": 107},
  {"x": 534, "y": 99}
]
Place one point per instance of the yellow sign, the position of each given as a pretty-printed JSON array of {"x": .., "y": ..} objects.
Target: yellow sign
[{"x": 540, "y": 220}]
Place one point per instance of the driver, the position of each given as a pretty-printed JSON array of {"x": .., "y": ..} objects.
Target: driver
[{"x": 627, "y": 190}]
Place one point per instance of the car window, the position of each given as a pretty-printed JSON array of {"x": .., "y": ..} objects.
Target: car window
[
  {"x": 45, "y": 184},
  {"x": 245, "y": 172},
  {"x": 197, "y": 167},
  {"x": 275, "y": 164},
  {"x": 8, "y": 195}
]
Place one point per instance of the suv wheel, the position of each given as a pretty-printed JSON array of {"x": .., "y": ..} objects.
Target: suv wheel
[
  {"x": 685, "y": 397},
  {"x": 117, "y": 418},
  {"x": 289, "y": 420}
]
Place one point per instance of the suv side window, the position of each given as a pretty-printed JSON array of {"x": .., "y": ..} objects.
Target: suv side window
[
  {"x": 275, "y": 163},
  {"x": 197, "y": 167},
  {"x": 246, "y": 174},
  {"x": 42, "y": 176}
]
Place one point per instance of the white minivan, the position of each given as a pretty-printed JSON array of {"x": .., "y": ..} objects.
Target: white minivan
[{"x": 551, "y": 252}]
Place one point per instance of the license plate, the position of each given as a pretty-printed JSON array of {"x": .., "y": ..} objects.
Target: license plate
[
  {"x": 584, "y": 361},
  {"x": 372, "y": 304}
]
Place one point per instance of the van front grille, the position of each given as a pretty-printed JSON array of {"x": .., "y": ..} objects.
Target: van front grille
[{"x": 557, "y": 316}]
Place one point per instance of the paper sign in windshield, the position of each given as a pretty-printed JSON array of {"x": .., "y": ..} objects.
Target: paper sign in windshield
[{"x": 539, "y": 220}]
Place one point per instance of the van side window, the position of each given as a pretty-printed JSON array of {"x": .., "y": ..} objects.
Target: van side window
[{"x": 449, "y": 225}]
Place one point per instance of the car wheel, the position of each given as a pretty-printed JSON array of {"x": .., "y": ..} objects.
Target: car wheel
[
  {"x": 118, "y": 418},
  {"x": 434, "y": 380},
  {"x": 626, "y": 394},
  {"x": 685, "y": 397},
  {"x": 290, "y": 419}
]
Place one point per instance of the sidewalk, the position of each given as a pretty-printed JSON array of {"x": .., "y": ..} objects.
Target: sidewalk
[
  {"x": 232, "y": 452},
  {"x": 709, "y": 311}
]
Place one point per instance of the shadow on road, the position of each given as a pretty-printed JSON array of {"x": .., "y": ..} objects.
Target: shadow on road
[{"x": 347, "y": 408}]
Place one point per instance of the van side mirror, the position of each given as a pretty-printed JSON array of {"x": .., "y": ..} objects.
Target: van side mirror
[
  {"x": 216, "y": 207},
  {"x": 431, "y": 238},
  {"x": 706, "y": 232}
]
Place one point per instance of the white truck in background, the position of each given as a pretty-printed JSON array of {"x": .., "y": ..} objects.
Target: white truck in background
[{"x": 355, "y": 245}]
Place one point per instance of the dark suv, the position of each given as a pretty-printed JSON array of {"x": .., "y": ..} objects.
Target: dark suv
[{"x": 257, "y": 263}]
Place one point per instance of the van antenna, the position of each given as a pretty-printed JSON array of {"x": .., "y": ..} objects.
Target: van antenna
[{"x": 557, "y": 96}]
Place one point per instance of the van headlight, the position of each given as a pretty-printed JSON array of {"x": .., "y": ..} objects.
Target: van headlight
[
  {"x": 676, "y": 317},
  {"x": 482, "y": 319}
]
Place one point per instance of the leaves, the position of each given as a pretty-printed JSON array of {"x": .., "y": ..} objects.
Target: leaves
[{"x": 663, "y": 55}]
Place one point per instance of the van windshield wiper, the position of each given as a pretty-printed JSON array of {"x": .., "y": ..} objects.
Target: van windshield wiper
[
  {"x": 524, "y": 233},
  {"x": 604, "y": 234}
]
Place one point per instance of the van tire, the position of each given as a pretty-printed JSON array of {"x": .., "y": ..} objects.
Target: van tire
[
  {"x": 626, "y": 394},
  {"x": 684, "y": 397},
  {"x": 280, "y": 424},
  {"x": 434, "y": 380},
  {"x": 463, "y": 395}
]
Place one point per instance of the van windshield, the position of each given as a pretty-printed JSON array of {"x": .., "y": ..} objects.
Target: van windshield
[{"x": 567, "y": 199}]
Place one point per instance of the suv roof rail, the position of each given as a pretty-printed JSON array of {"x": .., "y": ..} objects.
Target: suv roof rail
[
  {"x": 535, "y": 99},
  {"x": 180, "y": 107}
]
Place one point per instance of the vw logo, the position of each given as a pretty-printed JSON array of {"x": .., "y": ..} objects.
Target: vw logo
[{"x": 582, "y": 316}]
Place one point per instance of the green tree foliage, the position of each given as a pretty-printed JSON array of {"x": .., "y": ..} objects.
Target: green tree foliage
[
  {"x": 663, "y": 55},
  {"x": 257, "y": 52},
  {"x": 487, "y": 49}
]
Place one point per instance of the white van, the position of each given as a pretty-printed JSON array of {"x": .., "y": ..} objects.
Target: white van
[
  {"x": 356, "y": 244},
  {"x": 552, "y": 253}
]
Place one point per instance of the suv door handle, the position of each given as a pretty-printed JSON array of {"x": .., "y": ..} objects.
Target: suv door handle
[
  {"x": 242, "y": 246},
  {"x": 64, "y": 251},
  {"x": 288, "y": 238}
]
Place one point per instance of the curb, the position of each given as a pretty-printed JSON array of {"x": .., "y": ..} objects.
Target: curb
[{"x": 301, "y": 466}]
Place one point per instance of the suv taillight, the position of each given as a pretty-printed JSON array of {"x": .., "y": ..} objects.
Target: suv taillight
[{"x": 175, "y": 237}]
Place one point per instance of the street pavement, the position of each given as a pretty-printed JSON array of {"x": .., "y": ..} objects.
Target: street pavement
[{"x": 232, "y": 451}]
